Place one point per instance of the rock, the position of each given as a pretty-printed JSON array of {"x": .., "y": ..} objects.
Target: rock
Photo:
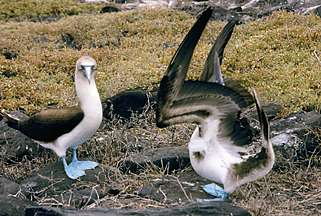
[
  {"x": 249, "y": 9},
  {"x": 41, "y": 39},
  {"x": 202, "y": 208},
  {"x": 219, "y": 13},
  {"x": 15, "y": 145},
  {"x": 54, "y": 174},
  {"x": 127, "y": 102},
  {"x": 293, "y": 136},
  {"x": 109, "y": 9},
  {"x": 169, "y": 158},
  {"x": 295, "y": 123},
  {"x": 13, "y": 206},
  {"x": 8, "y": 187},
  {"x": 9, "y": 54},
  {"x": 69, "y": 41},
  {"x": 318, "y": 11},
  {"x": 185, "y": 186},
  {"x": 8, "y": 73},
  {"x": 271, "y": 111}
]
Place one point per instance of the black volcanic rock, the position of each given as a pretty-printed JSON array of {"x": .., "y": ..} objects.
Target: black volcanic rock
[
  {"x": 13, "y": 206},
  {"x": 169, "y": 158},
  {"x": 196, "y": 209},
  {"x": 125, "y": 103}
]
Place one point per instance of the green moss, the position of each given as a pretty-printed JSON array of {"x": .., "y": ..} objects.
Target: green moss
[
  {"x": 133, "y": 49},
  {"x": 42, "y": 9}
]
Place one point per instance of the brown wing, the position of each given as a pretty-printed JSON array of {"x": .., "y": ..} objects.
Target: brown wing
[
  {"x": 48, "y": 125},
  {"x": 178, "y": 67},
  {"x": 212, "y": 69},
  {"x": 199, "y": 100}
]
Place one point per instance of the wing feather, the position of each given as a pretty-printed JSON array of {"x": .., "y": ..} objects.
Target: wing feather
[
  {"x": 48, "y": 125},
  {"x": 173, "y": 80},
  {"x": 212, "y": 70}
]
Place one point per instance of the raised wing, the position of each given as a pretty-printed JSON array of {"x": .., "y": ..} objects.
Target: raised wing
[
  {"x": 212, "y": 69},
  {"x": 178, "y": 67},
  {"x": 182, "y": 101},
  {"x": 48, "y": 125}
]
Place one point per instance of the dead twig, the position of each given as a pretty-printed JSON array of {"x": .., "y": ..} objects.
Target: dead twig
[
  {"x": 181, "y": 186},
  {"x": 317, "y": 57}
]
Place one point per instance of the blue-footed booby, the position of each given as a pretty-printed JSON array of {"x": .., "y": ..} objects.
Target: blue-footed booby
[
  {"x": 218, "y": 147},
  {"x": 59, "y": 129}
]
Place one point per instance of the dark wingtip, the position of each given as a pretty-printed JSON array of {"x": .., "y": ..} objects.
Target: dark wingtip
[
  {"x": 262, "y": 117},
  {"x": 205, "y": 13},
  {"x": 191, "y": 39},
  {"x": 235, "y": 20}
]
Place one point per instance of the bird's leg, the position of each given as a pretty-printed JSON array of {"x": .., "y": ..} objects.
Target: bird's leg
[
  {"x": 70, "y": 170},
  {"x": 81, "y": 165},
  {"x": 216, "y": 191},
  {"x": 74, "y": 154}
]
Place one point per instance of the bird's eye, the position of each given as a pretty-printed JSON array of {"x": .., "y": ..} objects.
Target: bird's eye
[
  {"x": 82, "y": 67},
  {"x": 94, "y": 67}
]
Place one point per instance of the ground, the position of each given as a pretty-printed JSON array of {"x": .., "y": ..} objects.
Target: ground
[{"x": 278, "y": 55}]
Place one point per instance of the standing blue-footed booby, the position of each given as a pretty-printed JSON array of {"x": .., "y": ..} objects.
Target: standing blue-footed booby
[
  {"x": 218, "y": 146},
  {"x": 59, "y": 129}
]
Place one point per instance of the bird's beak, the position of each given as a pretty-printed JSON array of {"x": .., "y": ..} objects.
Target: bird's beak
[{"x": 88, "y": 72}]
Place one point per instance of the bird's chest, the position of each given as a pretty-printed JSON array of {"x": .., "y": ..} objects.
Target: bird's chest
[
  {"x": 209, "y": 163},
  {"x": 88, "y": 127},
  {"x": 209, "y": 158}
]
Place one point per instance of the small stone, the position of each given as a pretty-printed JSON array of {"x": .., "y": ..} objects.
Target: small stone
[
  {"x": 69, "y": 41},
  {"x": 8, "y": 73},
  {"x": 9, "y": 54}
]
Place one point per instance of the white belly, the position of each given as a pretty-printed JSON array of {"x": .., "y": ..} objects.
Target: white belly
[{"x": 216, "y": 160}]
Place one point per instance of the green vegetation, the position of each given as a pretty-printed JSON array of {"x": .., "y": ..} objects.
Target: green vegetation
[
  {"x": 36, "y": 10},
  {"x": 275, "y": 55}
]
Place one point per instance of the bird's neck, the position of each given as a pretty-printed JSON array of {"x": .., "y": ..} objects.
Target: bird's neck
[{"x": 88, "y": 96}]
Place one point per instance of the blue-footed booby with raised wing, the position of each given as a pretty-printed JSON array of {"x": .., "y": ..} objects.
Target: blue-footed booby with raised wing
[
  {"x": 218, "y": 146},
  {"x": 59, "y": 129}
]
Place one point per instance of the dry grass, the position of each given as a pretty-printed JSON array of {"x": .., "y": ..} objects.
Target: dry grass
[{"x": 277, "y": 55}]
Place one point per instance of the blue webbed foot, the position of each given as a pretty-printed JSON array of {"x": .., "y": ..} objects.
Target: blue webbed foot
[
  {"x": 72, "y": 171},
  {"x": 216, "y": 191},
  {"x": 84, "y": 165}
]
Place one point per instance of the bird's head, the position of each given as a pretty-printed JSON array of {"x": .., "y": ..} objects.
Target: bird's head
[{"x": 86, "y": 68}]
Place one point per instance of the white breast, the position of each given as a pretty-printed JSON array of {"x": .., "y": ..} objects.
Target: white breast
[
  {"x": 80, "y": 134},
  {"x": 217, "y": 159}
]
